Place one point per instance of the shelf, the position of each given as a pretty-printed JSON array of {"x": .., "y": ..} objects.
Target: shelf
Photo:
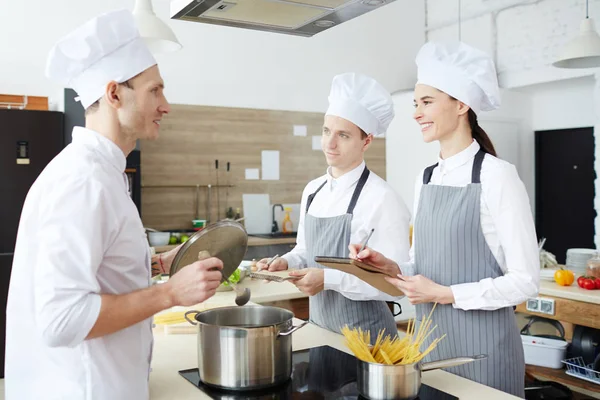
[
  {"x": 185, "y": 186},
  {"x": 560, "y": 376}
]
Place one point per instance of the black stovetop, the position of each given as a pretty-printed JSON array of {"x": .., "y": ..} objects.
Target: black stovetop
[{"x": 318, "y": 373}]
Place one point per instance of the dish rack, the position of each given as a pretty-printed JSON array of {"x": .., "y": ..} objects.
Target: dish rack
[{"x": 577, "y": 368}]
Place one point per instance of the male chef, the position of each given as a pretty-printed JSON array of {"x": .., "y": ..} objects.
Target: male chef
[
  {"x": 80, "y": 304},
  {"x": 343, "y": 206}
]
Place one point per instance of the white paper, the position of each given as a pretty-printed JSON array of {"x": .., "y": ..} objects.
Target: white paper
[
  {"x": 257, "y": 211},
  {"x": 316, "y": 142},
  {"x": 252, "y": 174},
  {"x": 270, "y": 165},
  {"x": 299, "y": 130}
]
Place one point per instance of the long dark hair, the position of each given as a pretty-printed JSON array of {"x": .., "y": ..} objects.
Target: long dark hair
[{"x": 479, "y": 134}]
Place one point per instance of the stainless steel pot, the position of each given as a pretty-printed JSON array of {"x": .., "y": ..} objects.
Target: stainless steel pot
[
  {"x": 242, "y": 348},
  {"x": 399, "y": 382}
]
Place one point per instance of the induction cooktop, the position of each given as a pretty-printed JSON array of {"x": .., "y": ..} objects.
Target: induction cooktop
[{"x": 318, "y": 373}]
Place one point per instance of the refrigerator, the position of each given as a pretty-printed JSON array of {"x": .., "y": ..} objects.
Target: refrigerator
[{"x": 29, "y": 140}]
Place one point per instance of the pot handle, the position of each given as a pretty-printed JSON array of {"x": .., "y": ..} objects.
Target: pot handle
[
  {"x": 294, "y": 329},
  {"x": 189, "y": 320},
  {"x": 451, "y": 362}
]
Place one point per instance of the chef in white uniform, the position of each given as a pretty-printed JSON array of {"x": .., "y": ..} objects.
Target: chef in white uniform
[
  {"x": 80, "y": 304},
  {"x": 474, "y": 246},
  {"x": 343, "y": 206}
]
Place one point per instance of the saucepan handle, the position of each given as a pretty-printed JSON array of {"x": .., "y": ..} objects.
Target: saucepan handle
[
  {"x": 293, "y": 329},
  {"x": 451, "y": 362},
  {"x": 191, "y": 321}
]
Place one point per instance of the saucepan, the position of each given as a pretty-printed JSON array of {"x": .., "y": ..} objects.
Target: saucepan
[
  {"x": 399, "y": 382},
  {"x": 244, "y": 348}
]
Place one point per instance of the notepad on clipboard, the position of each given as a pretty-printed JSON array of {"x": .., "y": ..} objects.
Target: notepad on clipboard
[{"x": 365, "y": 272}]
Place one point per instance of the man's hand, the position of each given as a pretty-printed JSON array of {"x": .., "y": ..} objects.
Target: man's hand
[
  {"x": 280, "y": 264},
  {"x": 311, "y": 280},
  {"x": 196, "y": 282},
  {"x": 168, "y": 257},
  {"x": 161, "y": 263}
]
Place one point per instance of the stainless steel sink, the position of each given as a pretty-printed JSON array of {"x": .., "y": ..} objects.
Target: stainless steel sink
[{"x": 276, "y": 235}]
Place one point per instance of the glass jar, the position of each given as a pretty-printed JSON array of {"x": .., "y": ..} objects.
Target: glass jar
[{"x": 593, "y": 266}]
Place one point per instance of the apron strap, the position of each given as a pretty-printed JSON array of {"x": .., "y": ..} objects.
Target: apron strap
[
  {"x": 312, "y": 196},
  {"x": 355, "y": 195},
  {"x": 476, "y": 172},
  {"x": 427, "y": 173},
  {"x": 358, "y": 190}
]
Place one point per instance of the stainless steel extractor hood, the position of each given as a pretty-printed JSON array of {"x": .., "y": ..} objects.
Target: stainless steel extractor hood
[{"x": 293, "y": 17}]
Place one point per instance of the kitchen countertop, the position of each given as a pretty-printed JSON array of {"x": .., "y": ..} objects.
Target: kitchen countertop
[
  {"x": 252, "y": 241},
  {"x": 263, "y": 291},
  {"x": 176, "y": 352},
  {"x": 573, "y": 292}
]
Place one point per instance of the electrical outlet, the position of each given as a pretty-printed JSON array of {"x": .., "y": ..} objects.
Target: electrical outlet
[
  {"x": 533, "y": 305},
  {"x": 541, "y": 305},
  {"x": 547, "y": 306}
]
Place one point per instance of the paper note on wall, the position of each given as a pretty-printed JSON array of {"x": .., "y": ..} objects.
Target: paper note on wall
[
  {"x": 299, "y": 130},
  {"x": 252, "y": 174},
  {"x": 270, "y": 165},
  {"x": 316, "y": 142}
]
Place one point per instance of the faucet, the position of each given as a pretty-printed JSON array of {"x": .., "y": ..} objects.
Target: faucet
[{"x": 274, "y": 227}]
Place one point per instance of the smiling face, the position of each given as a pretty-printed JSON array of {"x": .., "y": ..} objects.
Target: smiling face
[
  {"x": 143, "y": 105},
  {"x": 344, "y": 144},
  {"x": 437, "y": 113}
]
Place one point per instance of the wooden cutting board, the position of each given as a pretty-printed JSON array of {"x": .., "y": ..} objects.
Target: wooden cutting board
[{"x": 186, "y": 327}]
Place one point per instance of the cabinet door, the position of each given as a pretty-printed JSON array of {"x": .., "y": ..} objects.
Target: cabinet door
[
  {"x": 257, "y": 252},
  {"x": 280, "y": 249}
]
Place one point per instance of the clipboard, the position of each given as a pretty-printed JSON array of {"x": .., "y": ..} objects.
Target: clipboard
[{"x": 365, "y": 272}]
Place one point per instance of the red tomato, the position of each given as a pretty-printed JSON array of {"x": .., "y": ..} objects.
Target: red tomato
[
  {"x": 589, "y": 284},
  {"x": 580, "y": 281}
]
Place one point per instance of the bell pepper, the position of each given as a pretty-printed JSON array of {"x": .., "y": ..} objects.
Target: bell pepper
[{"x": 564, "y": 277}]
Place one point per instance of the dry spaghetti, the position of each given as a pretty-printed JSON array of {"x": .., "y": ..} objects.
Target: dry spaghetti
[{"x": 392, "y": 351}]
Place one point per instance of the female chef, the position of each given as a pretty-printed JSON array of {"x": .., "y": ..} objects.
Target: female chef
[{"x": 474, "y": 249}]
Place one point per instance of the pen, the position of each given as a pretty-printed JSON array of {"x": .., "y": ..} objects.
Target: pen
[
  {"x": 272, "y": 259},
  {"x": 366, "y": 241}
]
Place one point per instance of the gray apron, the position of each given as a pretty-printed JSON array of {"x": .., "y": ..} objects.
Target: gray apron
[
  {"x": 330, "y": 237},
  {"x": 450, "y": 249}
]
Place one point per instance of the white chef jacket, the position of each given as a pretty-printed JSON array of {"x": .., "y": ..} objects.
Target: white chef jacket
[
  {"x": 378, "y": 207},
  {"x": 80, "y": 236},
  {"x": 507, "y": 226}
]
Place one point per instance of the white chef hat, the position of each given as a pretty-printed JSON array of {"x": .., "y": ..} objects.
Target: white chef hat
[
  {"x": 461, "y": 71},
  {"x": 362, "y": 101},
  {"x": 106, "y": 48}
]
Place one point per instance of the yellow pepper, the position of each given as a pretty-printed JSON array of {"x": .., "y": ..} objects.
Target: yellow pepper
[{"x": 564, "y": 277}]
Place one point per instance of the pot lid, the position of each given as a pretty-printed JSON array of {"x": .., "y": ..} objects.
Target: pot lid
[{"x": 225, "y": 240}]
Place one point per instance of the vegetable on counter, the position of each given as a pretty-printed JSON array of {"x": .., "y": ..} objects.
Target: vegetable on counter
[
  {"x": 234, "y": 278},
  {"x": 588, "y": 282},
  {"x": 564, "y": 277}
]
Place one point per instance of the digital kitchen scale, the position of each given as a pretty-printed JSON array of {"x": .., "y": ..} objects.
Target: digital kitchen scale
[{"x": 318, "y": 373}]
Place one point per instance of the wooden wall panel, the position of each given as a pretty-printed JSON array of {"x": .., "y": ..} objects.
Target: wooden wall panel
[
  {"x": 192, "y": 137},
  {"x": 33, "y": 102}
]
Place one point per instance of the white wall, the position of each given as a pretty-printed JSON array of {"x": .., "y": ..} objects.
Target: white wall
[
  {"x": 226, "y": 66},
  {"x": 562, "y": 104},
  {"x": 523, "y": 36},
  {"x": 406, "y": 153}
]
